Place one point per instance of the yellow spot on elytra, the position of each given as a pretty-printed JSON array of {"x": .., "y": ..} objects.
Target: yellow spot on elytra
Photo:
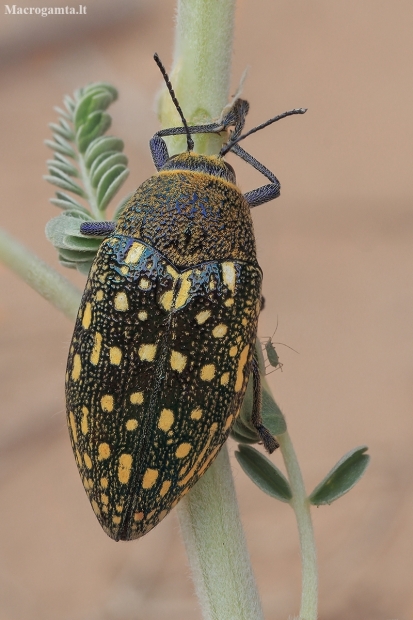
[
  {"x": 184, "y": 290},
  {"x": 166, "y": 300},
  {"x": 119, "y": 508},
  {"x": 77, "y": 367},
  {"x": 116, "y": 520},
  {"x": 73, "y": 426},
  {"x": 172, "y": 272},
  {"x": 178, "y": 361},
  {"x": 106, "y": 402},
  {"x": 131, "y": 424},
  {"x": 229, "y": 302},
  {"x": 212, "y": 283},
  {"x": 138, "y": 516},
  {"x": 229, "y": 275},
  {"x": 136, "y": 398},
  {"x": 144, "y": 284},
  {"x": 105, "y": 509},
  {"x": 87, "y": 460},
  {"x": 196, "y": 414},
  {"x": 203, "y": 316},
  {"x": 147, "y": 352},
  {"x": 166, "y": 419},
  {"x": 121, "y": 302},
  {"x": 124, "y": 468},
  {"x": 207, "y": 372},
  {"x": 233, "y": 350},
  {"x": 90, "y": 481},
  {"x": 86, "y": 483},
  {"x": 115, "y": 356},
  {"x": 99, "y": 295},
  {"x": 104, "y": 483},
  {"x": 193, "y": 471},
  {"x": 94, "y": 356},
  {"x": 225, "y": 378},
  {"x": 244, "y": 322},
  {"x": 87, "y": 315},
  {"x": 104, "y": 499},
  {"x": 162, "y": 515},
  {"x": 165, "y": 488},
  {"x": 103, "y": 277},
  {"x": 142, "y": 315},
  {"x": 240, "y": 371},
  {"x": 219, "y": 331},
  {"x": 149, "y": 478},
  {"x": 150, "y": 515},
  {"x": 124, "y": 270},
  {"x": 184, "y": 469},
  {"x": 239, "y": 338},
  {"x": 103, "y": 451},
  {"x": 84, "y": 423},
  {"x": 183, "y": 450},
  {"x": 134, "y": 254},
  {"x": 228, "y": 422},
  {"x": 95, "y": 507}
]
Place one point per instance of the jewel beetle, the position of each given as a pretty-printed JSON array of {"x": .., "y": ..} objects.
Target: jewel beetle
[{"x": 164, "y": 341}]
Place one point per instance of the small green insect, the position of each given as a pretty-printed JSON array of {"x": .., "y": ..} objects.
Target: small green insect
[
  {"x": 272, "y": 354},
  {"x": 163, "y": 345}
]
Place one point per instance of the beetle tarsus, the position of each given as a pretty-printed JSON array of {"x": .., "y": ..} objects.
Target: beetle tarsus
[{"x": 269, "y": 442}]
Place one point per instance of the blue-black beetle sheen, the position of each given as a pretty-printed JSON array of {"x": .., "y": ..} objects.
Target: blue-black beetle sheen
[{"x": 165, "y": 336}]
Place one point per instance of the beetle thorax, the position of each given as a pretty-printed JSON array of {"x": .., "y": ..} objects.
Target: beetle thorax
[
  {"x": 205, "y": 164},
  {"x": 190, "y": 216}
]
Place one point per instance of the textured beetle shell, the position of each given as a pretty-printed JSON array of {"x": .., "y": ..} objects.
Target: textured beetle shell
[{"x": 162, "y": 347}]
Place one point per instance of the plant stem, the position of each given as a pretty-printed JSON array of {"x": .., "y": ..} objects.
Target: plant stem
[
  {"x": 216, "y": 546},
  {"x": 90, "y": 191},
  {"x": 209, "y": 514},
  {"x": 40, "y": 276},
  {"x": 301, "y": 507},
  {"x": 201, "y": 69}
]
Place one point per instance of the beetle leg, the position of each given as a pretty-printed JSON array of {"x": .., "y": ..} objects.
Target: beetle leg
[
  {"x": 159, "y": 151},
  {"x": 235, "y": 116},
  {"x": 179, "y": 131},
  {"x": 270, "y": 444},
  {"x": 262, "y": 194},
  {"x": 97, "y": 229}
]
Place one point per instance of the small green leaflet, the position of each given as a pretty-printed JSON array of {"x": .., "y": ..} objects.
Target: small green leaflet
[
  {"x": 263, "y": 473},
  {"x": 344, "y": 475}
]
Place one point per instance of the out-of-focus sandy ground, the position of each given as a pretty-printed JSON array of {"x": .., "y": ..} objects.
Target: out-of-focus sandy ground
[{"x": 336, "y": 250}]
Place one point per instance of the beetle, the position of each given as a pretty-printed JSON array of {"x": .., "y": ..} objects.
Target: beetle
[{"x": 163, "y": 344}]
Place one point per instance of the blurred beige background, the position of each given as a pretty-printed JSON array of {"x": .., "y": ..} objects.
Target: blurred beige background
[{"x": 336, "y": 250}]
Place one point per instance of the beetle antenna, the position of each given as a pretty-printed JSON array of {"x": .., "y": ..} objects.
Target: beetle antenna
[
  {"x": 228, "y": 146},
  {"x": 189, "y": 140}
]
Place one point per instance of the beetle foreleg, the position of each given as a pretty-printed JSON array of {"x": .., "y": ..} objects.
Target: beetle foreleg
[
  {"x": 97, "y": 229},
  {"x": 262, "y": 194},
  {"x": 159, "y": 151}
]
